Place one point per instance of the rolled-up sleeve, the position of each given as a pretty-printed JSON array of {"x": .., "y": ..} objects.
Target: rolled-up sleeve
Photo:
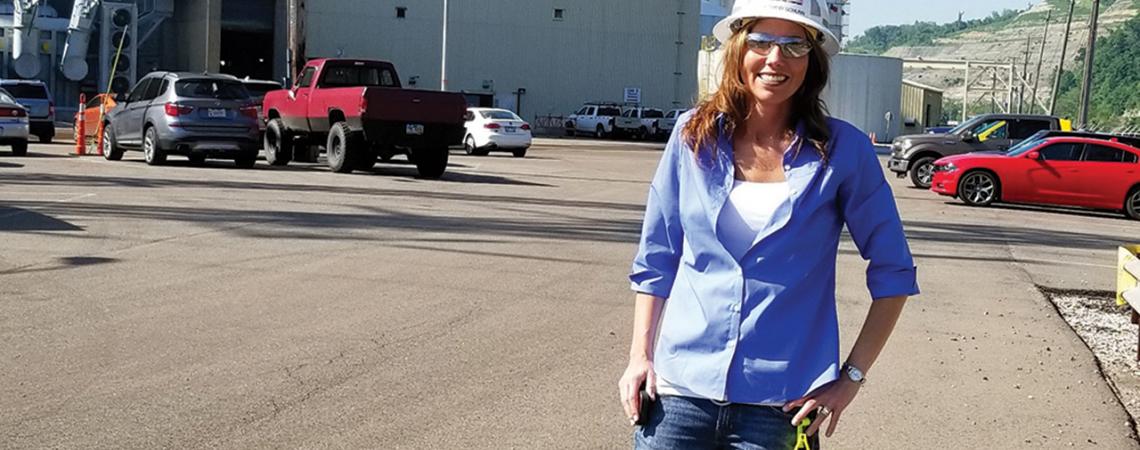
[
  {"x": 872, "y": 218},
  {"x": 659, "y": 251}
]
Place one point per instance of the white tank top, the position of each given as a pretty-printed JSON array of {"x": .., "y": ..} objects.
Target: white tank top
[{"x": 749, "y": 208}]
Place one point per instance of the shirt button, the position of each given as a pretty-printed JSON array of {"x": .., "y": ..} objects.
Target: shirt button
[{"x": 787, "y": 167}]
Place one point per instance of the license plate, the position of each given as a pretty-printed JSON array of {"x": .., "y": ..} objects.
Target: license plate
[
  {"x": 414, "y": 129},
  {"x": 511, "y": 129},
  {"x": 216, "y": 113}
]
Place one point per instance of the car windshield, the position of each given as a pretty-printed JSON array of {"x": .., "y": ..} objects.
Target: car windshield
[
  {"x": 1025, "y": 146},
  {"x": 499, "y": 115},
  {"x": 5, "y": 98},
  {"x": 208, "y": 88},
  {"x": 652, "y": 114},
  {"x": 962, "y": 126},
  {"x": 21, "y": 90}
]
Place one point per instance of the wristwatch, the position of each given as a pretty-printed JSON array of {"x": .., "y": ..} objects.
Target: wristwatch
[{"x": 853, "y": 373}]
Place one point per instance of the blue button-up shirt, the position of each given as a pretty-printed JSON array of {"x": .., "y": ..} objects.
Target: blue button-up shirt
[{"x": 763, "y": 329}]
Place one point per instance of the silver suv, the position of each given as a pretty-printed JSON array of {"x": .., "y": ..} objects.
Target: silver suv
[
  {"x": 34, "y": 95},
  {"x": 197, "y": 115}
]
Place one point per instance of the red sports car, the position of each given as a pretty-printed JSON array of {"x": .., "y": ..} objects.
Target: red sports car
[{"x": 1066, "y": 171}]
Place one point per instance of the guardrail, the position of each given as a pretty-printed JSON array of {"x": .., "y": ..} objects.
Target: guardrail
[{"x": 1128, "y": 284}]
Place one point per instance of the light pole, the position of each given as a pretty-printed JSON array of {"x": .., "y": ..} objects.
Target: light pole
[
  {"x": 443, "y": 57},
  {"x": 1086, "y": 85}
]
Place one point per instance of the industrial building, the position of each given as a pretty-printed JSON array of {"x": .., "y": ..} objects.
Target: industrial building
[
  {"x": 921, "y": 107},
  {"x": 537, "y": 57}
]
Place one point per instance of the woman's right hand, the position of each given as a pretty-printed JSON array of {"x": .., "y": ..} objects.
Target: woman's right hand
[{"x": 639, "y": 371}]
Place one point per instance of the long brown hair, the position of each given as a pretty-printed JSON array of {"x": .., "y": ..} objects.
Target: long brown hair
[{"x": 733, "y": 99}]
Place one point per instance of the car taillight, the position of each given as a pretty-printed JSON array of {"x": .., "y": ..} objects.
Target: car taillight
[
  {"x": 51, "y": 109},
  {"x": 525, "y": 126},
  {"x": 492, "y": 126},
  {"x": 363, "y": 102},
  {"x": 249, "y": 111},
  {"x": 12, "y": 112},
  {"x": 175, "y": 110}
]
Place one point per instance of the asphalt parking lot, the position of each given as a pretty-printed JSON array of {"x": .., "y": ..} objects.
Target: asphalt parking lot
[{"x": 189, "y": 307}]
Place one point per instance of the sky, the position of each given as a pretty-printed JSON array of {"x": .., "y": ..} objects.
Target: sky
[{"x": 869, "y": 13}]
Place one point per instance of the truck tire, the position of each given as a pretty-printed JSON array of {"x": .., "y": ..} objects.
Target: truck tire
[
  {"x": 431, "y": 162},
  {"x": 922, "y": 172},
  {"x": 345, "y": 148},
  {"x": 20, "y": 148},
  {"x": 600, "y": 132},
  {"x": 278, "y": 143}
]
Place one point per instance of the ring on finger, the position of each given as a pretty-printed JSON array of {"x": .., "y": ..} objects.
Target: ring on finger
[{"x": 824, "y": 411}]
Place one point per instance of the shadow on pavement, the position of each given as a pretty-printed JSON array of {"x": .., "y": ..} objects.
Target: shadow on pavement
[
  {"x": 1052, "y": 209},
  {"x": 20, "y": 219},
  {"x": 8, "y": 165},
  {"x": 64, "y": 263},
  {"x": 999, "y": 235},
  {"x": 159, "y": 183},
  {"x": 345, "y": 226}
]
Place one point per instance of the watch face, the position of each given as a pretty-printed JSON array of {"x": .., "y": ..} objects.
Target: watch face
[{"x": 855, "y": 374}]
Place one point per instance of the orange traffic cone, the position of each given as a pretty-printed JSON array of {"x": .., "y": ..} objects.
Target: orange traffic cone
[{"x": 80, "y": 128}]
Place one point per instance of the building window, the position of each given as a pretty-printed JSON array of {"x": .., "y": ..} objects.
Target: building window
[
  {"x": 401, "y": 12},
  {"x": 559, "y": 13}
]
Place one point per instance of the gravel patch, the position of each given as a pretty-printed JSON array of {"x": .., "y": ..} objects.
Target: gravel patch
[{"x": 1112, "y": 337}]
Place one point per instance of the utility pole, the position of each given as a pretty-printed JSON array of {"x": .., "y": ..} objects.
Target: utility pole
[
  {"x": 1086, "y": 84},
  {"x": 1023, "y": 83},
  {"x": 1061, "y": 64},
  {"x": 296, "y": 54},
  {"x": 1040, "y": 59},
  {"x": 443, "y": 60}
]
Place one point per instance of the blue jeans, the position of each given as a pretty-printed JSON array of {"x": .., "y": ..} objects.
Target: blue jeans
[{"x": 693, "y": 424}]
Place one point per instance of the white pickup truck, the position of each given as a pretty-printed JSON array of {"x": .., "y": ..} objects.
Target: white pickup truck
[
  {"x": 640, "y": 123},
  {"x": 595, "y": 119},
  {"x": 670, "y": 120}
]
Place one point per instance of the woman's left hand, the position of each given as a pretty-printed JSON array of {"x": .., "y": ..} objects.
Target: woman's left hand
[{"x": 835, "y": 396}]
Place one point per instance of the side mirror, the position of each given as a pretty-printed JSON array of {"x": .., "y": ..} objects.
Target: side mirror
[
  {"x": 293, "y": 93},
  {"x": 1036, "y": 156},
  {"x": 969, "y": 137}
]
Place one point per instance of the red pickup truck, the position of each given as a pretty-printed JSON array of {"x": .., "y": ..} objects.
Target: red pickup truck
[{"x": 358, "y": 110}]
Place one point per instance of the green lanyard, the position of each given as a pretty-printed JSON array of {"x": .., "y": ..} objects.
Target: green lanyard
[{"x": 801, "y": 435}]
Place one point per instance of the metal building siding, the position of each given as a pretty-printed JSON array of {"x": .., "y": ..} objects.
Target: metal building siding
[
  {"x": 598, "y": 49},
  {"x": 863, "y": 90},
  {"x": 914, "y": 106}
]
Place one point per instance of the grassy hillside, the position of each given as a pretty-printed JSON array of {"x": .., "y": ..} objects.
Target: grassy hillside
[{"x": 1115, "y": 100}]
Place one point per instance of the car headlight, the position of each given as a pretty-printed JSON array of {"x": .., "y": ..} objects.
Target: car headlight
[{"x": 948, "y": 168}]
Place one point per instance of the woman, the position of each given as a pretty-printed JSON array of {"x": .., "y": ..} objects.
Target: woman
[{"x": 735, "y": 329}]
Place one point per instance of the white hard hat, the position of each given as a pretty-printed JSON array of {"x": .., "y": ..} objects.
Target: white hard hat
[{"x": 809, "y": 13}]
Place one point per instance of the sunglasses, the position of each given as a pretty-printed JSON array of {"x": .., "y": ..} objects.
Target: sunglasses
[{"x": 794, "y": 47}]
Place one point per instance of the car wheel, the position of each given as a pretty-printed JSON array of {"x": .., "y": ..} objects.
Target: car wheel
[
  {"x": 111, "y": 149},
  {"x": 922, "y": 172},
  {"x": 196, "y": 159},
  {"x": 520, "y": 153},
  {"x": 247, "y": 160},
  {"x": 978, "y": 188},
  {"x": 278, "y": 143},
  {"x": 20, "y": 148},
  {"x": 469, "y": 145},
  {"x": 600, "y": 132},
  {"x": 642, "y": 134},
  {"x": 345, "y": 148},
  {"x": 431, "y": 162},
  {"x": 151, "y": 152},
  {"x": 1132, "y": 204}
]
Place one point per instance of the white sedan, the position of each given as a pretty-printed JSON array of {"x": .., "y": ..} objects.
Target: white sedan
[{"x": 496, "y": 129}]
